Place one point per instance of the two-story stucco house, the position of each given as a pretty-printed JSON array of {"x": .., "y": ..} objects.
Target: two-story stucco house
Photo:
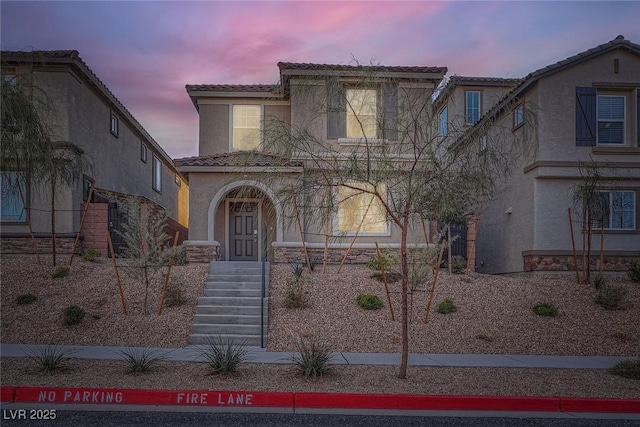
[
  {"x": 125, "y": 160},
  {"x": 236, "y": 212},
  {"x": 583, "y": 110}
]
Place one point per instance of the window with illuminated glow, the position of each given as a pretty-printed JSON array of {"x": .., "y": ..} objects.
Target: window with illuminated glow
[
  {"x": 361, "y": 113},
  {"x": 360, "y": 211},
  {"x": 246, "y": 127}
]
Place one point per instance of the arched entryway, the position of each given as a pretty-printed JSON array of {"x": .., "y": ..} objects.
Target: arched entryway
[{"x": 245, "y": 218}]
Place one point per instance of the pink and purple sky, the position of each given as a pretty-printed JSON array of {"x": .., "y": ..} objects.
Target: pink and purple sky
[{"x": 147, "y": 51}]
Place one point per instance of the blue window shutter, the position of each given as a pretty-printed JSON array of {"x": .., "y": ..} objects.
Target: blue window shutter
[
  {"x": 586, "y": 116},
  {"x": 336, "y": 110},
  {"x": 390, "y": 111}
]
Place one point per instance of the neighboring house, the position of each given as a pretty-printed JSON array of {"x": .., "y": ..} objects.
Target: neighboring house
[
  {"x": 235, "y": 214},
  {"x": 126, "y": 161},
  {"x": 582, "y": 110}
]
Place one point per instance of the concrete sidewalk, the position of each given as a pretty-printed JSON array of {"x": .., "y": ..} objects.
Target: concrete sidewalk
[{"x": 260, "y": 355}]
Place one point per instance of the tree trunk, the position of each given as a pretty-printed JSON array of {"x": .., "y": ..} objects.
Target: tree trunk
[
  {"x": 404, "y": 358},
  {"x": 53, "y": 220}
]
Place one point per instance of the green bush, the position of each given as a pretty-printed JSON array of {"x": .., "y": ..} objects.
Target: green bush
[
  {"x": 369, "y": 301},
  {"x": 141, "y": 360},
  {"x": 49, "y": 357},
  {"x": 26, "y": 299},
  {"x": 179, "y": 254},
  {"x": 387, "y": 262},
  {"x": 599, "y": 281},
  {"x": 294, "y": 294},
  {"x": 91, "y": 255},
  {"x": 313, "y": 358},
  {"x": 458, "y": 264},
  {"x": 634, "y": 272},
  {"x": 72, "y": 315},
  {"x": 545, "y": 309},
  {"x": 313, "y": 262},
  {"x": 627, "y": 369},
  {"x": 447, "y": 306},
  {"x": 223, "y": 355},
  {"x": 60, "y": 273},
  {"x": 611, "y": 297},
  {"x": 391, "y": 276},
  {"x": 174, "y": 296}
]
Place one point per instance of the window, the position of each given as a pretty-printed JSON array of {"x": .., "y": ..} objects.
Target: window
[
  {"x": 114, "y": 125},
  {"x": 246, "y": 127},
  {"x": 143, "y": 152},
  {"x": 442, "y": 123},
  {"x": 13, "y": 209},
  {"x": 157, "y": 174},
  {"x": 358, "y": 209},
  {"x": 483, "y": 143},
  {"x": 518, "y": 116},
  {"x": 361, "y": 113},
  {"x": 610, "y": 119},
  {"x": 472, "y": 107},
  {"x": 615, "y": 210},
  {"x": 87, "y": 183}
]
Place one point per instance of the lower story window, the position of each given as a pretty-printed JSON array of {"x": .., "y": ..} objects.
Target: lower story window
[
  {"x": 359, "y": 210},
  {"x": 615, "y": 210},
  {"x": 13, "y": 209}
]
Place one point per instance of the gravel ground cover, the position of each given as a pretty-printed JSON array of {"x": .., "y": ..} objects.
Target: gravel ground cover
[{"x": 494, "y": 316}]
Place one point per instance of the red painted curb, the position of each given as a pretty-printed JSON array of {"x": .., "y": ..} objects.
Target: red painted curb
[
  {"x": 153, "y": 397},
  {"x": 422, "y": 402},
  {"x": 6, "y": 394},
  {"x": 579, "y": 404},
  {"x": 292, "y": 400}
]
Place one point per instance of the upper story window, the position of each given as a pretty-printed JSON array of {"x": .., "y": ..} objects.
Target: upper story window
[
  {"x": 246, "y": 127},
  {"x": 518, "y": 116},
  {"x": 361, "y": 113},
  {"x": 114, "y": 125},
  {"x": 157, "y": 175},
  {"x": 14, "y": 193},
  {"x": 615, "y": 210},
  {"x": 359, "y": 210},
  {"x": 443, "y": 126},
  {"x": 143, "y": 152},
  {"x": 472, "y": 106},
  {"x": 610, "y": 119}
]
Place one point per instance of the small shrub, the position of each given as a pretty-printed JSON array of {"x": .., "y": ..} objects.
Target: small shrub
[
  {"x": 458, "y": 264},
  {"x": 369, "y": 301},
  {"x": 447, "y": 306},
  {"x": 140, "y": 361},
  {"x": 60, "y": 273},
  {"x": 180, "y": 255},
  {"x": 72, "y": 315},
  {"x": 91, "y": 255},
  {"x": 294, "y": 294},
  {"x": 313, "y": 262},
  {"x": 313, "y": 358},
  {"x": 175, "y": 295},
  {"x": 387, "y": 262},
  {"x": 26, "y": 299},
  {"x": 391, "y": 276},
  {"x": 297, "y": 268},
  {"x": 222, "y": 355},
  {"x": 627, "y": 369},
  {"x": 634, "y": 272},
  {"x": 599, "y": 281},
  {"x": 49, "y": 357},
  {"x": 545, "y": 309},
  {"x": 611, "y": 297}
]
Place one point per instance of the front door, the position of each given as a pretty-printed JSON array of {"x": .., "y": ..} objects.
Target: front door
[{"x": 243, "y": 231}]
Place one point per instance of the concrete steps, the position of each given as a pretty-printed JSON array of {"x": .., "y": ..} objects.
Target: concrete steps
[{"x": 231, "y": 305}]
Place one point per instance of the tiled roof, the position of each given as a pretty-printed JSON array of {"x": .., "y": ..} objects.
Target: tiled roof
[
  {"x": 238, "y": 159},
  {"x": 234, "y": 88},
  {"x": 493, "y": 81},
  {"x": 72, "y": 58},
  {"x": 374, "y": 68}
]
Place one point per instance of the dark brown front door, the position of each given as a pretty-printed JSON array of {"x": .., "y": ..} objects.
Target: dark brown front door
[{"x": 243, "y": 231}]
